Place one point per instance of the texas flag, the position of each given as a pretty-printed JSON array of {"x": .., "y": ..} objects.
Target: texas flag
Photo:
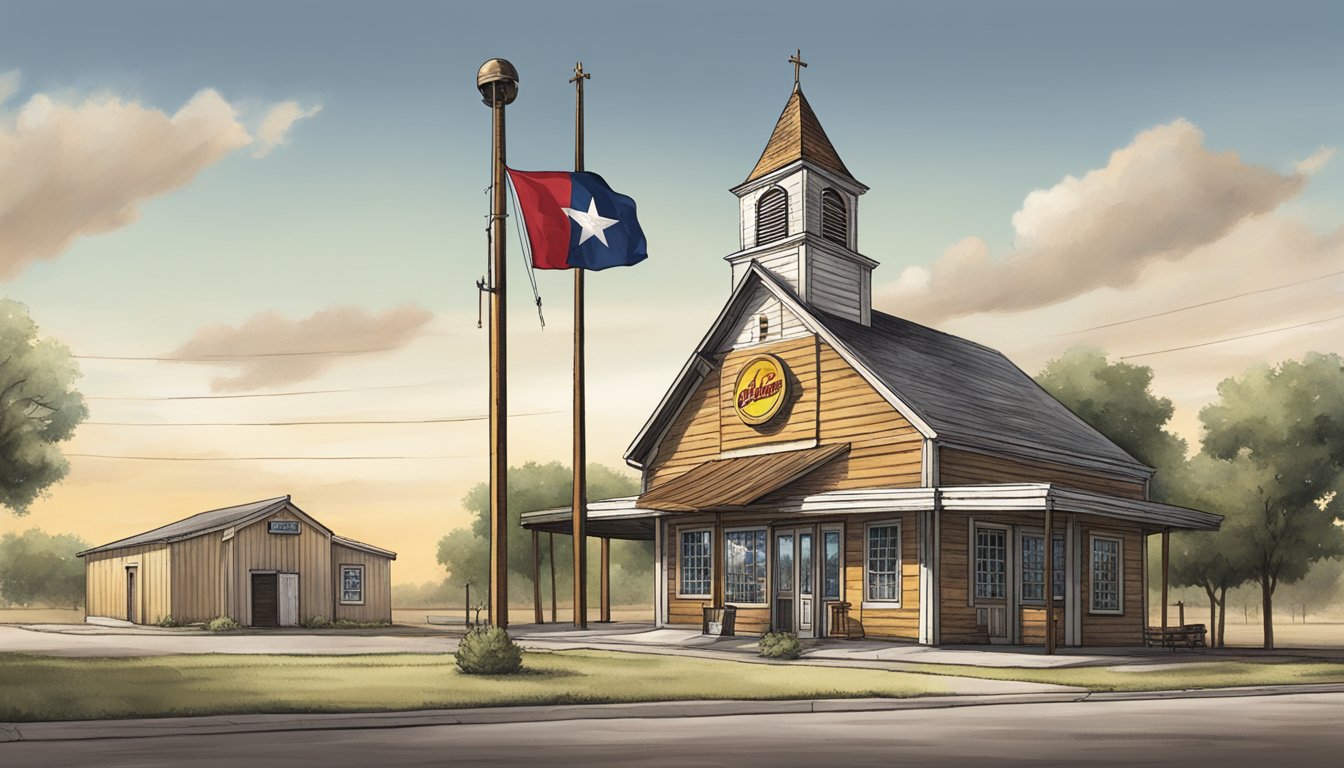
[{"x": 576, "y": 221}]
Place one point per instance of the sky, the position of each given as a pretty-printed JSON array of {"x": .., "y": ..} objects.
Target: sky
[{"x": 204, "y": 180}]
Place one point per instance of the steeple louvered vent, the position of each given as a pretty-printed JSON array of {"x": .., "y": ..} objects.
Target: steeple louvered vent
[
  {"x": 772, "y": 216},
  {"x": 834, "y": 217}
]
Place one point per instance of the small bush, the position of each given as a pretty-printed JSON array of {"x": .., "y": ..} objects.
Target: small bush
[
  {"x": 167, "y": 621},
  {"x": 488, "y": 651},
  {"x": 222, "y": 624},
  {"x": 315, "y": 622},
  {"x": 780, "y": 645}
]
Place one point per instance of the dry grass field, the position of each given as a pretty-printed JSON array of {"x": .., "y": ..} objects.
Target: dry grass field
[{"x": 40, "y": 616}]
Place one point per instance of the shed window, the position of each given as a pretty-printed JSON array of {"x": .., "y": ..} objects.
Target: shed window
[
  {"x": 834, "y": 217},
  {"x": 884, "y": 563},
  {"x": 696, "y": 559},
  {"x": 744, "y": 566},
  {"x": 1033, "y": 568},
  {"x": 352, "y": 585},
  {"x": 772, "y": 216},
  {"x": 1106, "y": 575}
]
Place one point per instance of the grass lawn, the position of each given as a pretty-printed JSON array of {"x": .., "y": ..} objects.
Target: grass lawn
[
  {"x": 52, "y": 688},
  {"x": 1156, "y": 676}
]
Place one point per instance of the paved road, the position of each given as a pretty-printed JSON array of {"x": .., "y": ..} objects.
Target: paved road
[{"x": 1299, "y": 730}]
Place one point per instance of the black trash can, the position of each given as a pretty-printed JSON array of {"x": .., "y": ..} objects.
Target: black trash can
[{"x": 719, "y": 622}]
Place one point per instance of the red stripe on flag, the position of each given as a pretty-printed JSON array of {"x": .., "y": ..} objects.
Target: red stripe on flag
[{"x": 542, "y": 195}]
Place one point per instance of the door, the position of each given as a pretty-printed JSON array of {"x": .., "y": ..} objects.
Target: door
[
  {"x": 784, "y": 582},
  {"x": 265, "y": 604},
  {"x": 830, "y": 557},
  {"x": 992, "y": 595},
  {"x": 807, "y": 602},
  {"x": 132, "y": 615},
  {"x": 289, "y": 600}
]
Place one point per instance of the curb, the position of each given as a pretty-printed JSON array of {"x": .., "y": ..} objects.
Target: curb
[{"x": 229, "y": 724}]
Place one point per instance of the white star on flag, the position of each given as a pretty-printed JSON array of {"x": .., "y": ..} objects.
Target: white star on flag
[{"x": 592, "y": 224}]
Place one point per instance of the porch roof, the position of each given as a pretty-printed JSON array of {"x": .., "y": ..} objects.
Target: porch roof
[{"x": 623, "y": 517}]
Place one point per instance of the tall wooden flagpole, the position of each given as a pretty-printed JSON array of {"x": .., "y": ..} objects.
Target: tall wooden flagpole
[
  {"x": 497, "y": 81},
  {"x": 579, "y": 502}
]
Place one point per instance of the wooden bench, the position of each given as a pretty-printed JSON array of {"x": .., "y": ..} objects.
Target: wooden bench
[{"x": 1188, "y": 635}]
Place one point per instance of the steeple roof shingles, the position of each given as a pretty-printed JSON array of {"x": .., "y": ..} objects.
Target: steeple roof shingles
[{"x": 798, "y": 135}]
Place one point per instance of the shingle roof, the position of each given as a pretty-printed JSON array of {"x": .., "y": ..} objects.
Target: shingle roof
[
  {"x": 798, "y": 135},
  {"x": 204, "y": 522},
  {"x": 970, "y": 394}
]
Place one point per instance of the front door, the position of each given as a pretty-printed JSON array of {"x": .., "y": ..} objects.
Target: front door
[
  {"x": 131, "y": 602},
  {"x": 288, "y": 608},
  {"x": 993, "y": 598},
  {"x": 795, "y": 604},
  {"x": 265, "y": 603}
]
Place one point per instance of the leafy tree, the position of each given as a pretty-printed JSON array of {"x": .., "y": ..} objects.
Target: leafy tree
[
  {"x": 39, "y": 408},
  {"x": 465, "y": 552},
  {"x": 1318, "y": 589},
  {"x": 36, "y": 567},
  {"x": 1282, "y": 429},
  {"x": 1214, "y": 561},
  {"x": 1116, "y": 399}
]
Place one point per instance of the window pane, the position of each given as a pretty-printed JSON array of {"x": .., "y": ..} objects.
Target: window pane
[
  {"x": 1058, "y": 580},
  {"x": 990, "y": 563},
  {"x": 1105, "y": 575},
  {"x": 352, "y": 585},
  {"x": 695, "y": 563},
  {"x": 831, "y": 576},
  {"x": 744, "y": 566},
  {"x": 804, "y": 563},
  {"x": 1033, "y": 568},
  {"x": 884, "y": 562},
  {"x": 784, "y": 564}
]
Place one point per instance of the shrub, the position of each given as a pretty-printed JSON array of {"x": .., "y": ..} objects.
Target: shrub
[
  {"x": 780, "y": 645},
  {"x": 168, "y": 621},
  {"x": 488, "y": 651},
  {"x": 222, "y": 624},
  {"x": 315, "y": 622}
]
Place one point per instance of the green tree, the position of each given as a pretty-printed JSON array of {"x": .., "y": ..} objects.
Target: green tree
[
  {"x": 1318, "y": 589},
  {"x": 465, "y": 552},
  {"x": 1214, "y": 561},
  {"x": 39, "y": 408},
  {"x": 1282, "y": 428},
  {"x": 37, "y": 567},
  {"x": 1116, "y": 399}
]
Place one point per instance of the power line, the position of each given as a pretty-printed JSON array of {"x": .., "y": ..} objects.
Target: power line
[
  {"x": 1202, "y": 304},
  {"x": 312, "y": 423},
  {"x": 1235, "y": 338},
  {"x": 227, "y": 358},
  {"x": 267, "y": 458},
  {"x": 270, "y": 394}
]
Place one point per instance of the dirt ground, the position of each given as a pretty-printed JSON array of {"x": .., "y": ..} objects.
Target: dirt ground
[{"x": 40, "y": 616}]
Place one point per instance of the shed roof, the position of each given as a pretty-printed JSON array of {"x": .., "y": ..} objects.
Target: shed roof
[{"x": 201, "y": 523}]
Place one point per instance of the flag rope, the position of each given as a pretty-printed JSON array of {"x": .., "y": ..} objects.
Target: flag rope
[{"x": 527, "y": 252}]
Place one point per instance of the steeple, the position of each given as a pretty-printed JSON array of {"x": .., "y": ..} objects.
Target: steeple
[{"x": 799, "y": 214}]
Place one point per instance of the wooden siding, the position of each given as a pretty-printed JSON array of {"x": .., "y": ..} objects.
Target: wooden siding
[
  {"x": 797, "y": 419},
  {"x": 955, "y": 617},
  {"x": 693, "y": 437},
  {"x": 307, "y": 554},
  {"x": 1125, "y": 629},
  {"x": 377, "y": 584},
  {"x": 903, "y": 622},
  {"x": 784, "y": 324},
  {"x": 198, "y": 578},
  {"x": 834, "y": 284},
  {"x": 959, "y": 467},
  {"x": 105, "y": 583}
]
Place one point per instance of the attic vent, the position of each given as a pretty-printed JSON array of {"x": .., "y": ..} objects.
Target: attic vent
[
  {"x": 764, "y": 328},
  {"x": 772, "y": 216},
  {"x": 834, "y": 217}
]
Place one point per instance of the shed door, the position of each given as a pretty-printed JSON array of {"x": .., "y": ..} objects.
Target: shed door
[
  {"x": 289, "y": 600},
  {"x": 131, "y": 594},
  {"x": 264, "y": 602}
]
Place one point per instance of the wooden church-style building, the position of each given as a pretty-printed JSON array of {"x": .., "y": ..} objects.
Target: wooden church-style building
[{"x": 829, "y": 469}]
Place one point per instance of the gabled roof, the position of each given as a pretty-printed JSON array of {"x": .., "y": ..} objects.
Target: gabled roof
[
  {"x": 950, "y": 389},
  {"x": 206, "y": 522},
  {"x": 361, "y": 546},
  {"x": 798, "y": 135}
]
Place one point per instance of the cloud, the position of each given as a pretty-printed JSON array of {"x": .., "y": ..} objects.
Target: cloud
[
  {"x": 274, "y": 128},
  {"x": 9, "y": 85},
  {"x": 1156, "y": 200},
  {"x": 1315, "y": 162},
  {"x": 261, "y": 349},
  {"x": 75, "y": 169}
]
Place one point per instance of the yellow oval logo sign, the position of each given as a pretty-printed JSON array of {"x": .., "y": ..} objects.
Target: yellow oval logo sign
[{"x": 761, "y": 389}]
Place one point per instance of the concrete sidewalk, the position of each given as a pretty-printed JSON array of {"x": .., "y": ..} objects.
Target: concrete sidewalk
[{"x": 225, "y": 724}]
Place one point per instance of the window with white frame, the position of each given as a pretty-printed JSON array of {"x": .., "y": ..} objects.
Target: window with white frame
[
  {"x": 830, "y": 569},
  {"x": 1107, "y": 574},
  {"x": 744, "y": 566},
  {"x": 1033, "y": 567},
  {"x": 697, "y": 557},
  {"x": 883, "y": 564},
  {"x": 352, "y": 585},
  {"x": 991, "y": 563}
]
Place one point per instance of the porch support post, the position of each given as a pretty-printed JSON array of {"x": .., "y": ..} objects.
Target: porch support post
[
  {"x": 1166, "y": 567},
  {"x": 716, "y": 593},
  {"x": 536, "y": 577},
  {"x": 605, "y": 614},
  {"x": 1049, "y": 576},
  {"x": 550, "y": 542}
]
